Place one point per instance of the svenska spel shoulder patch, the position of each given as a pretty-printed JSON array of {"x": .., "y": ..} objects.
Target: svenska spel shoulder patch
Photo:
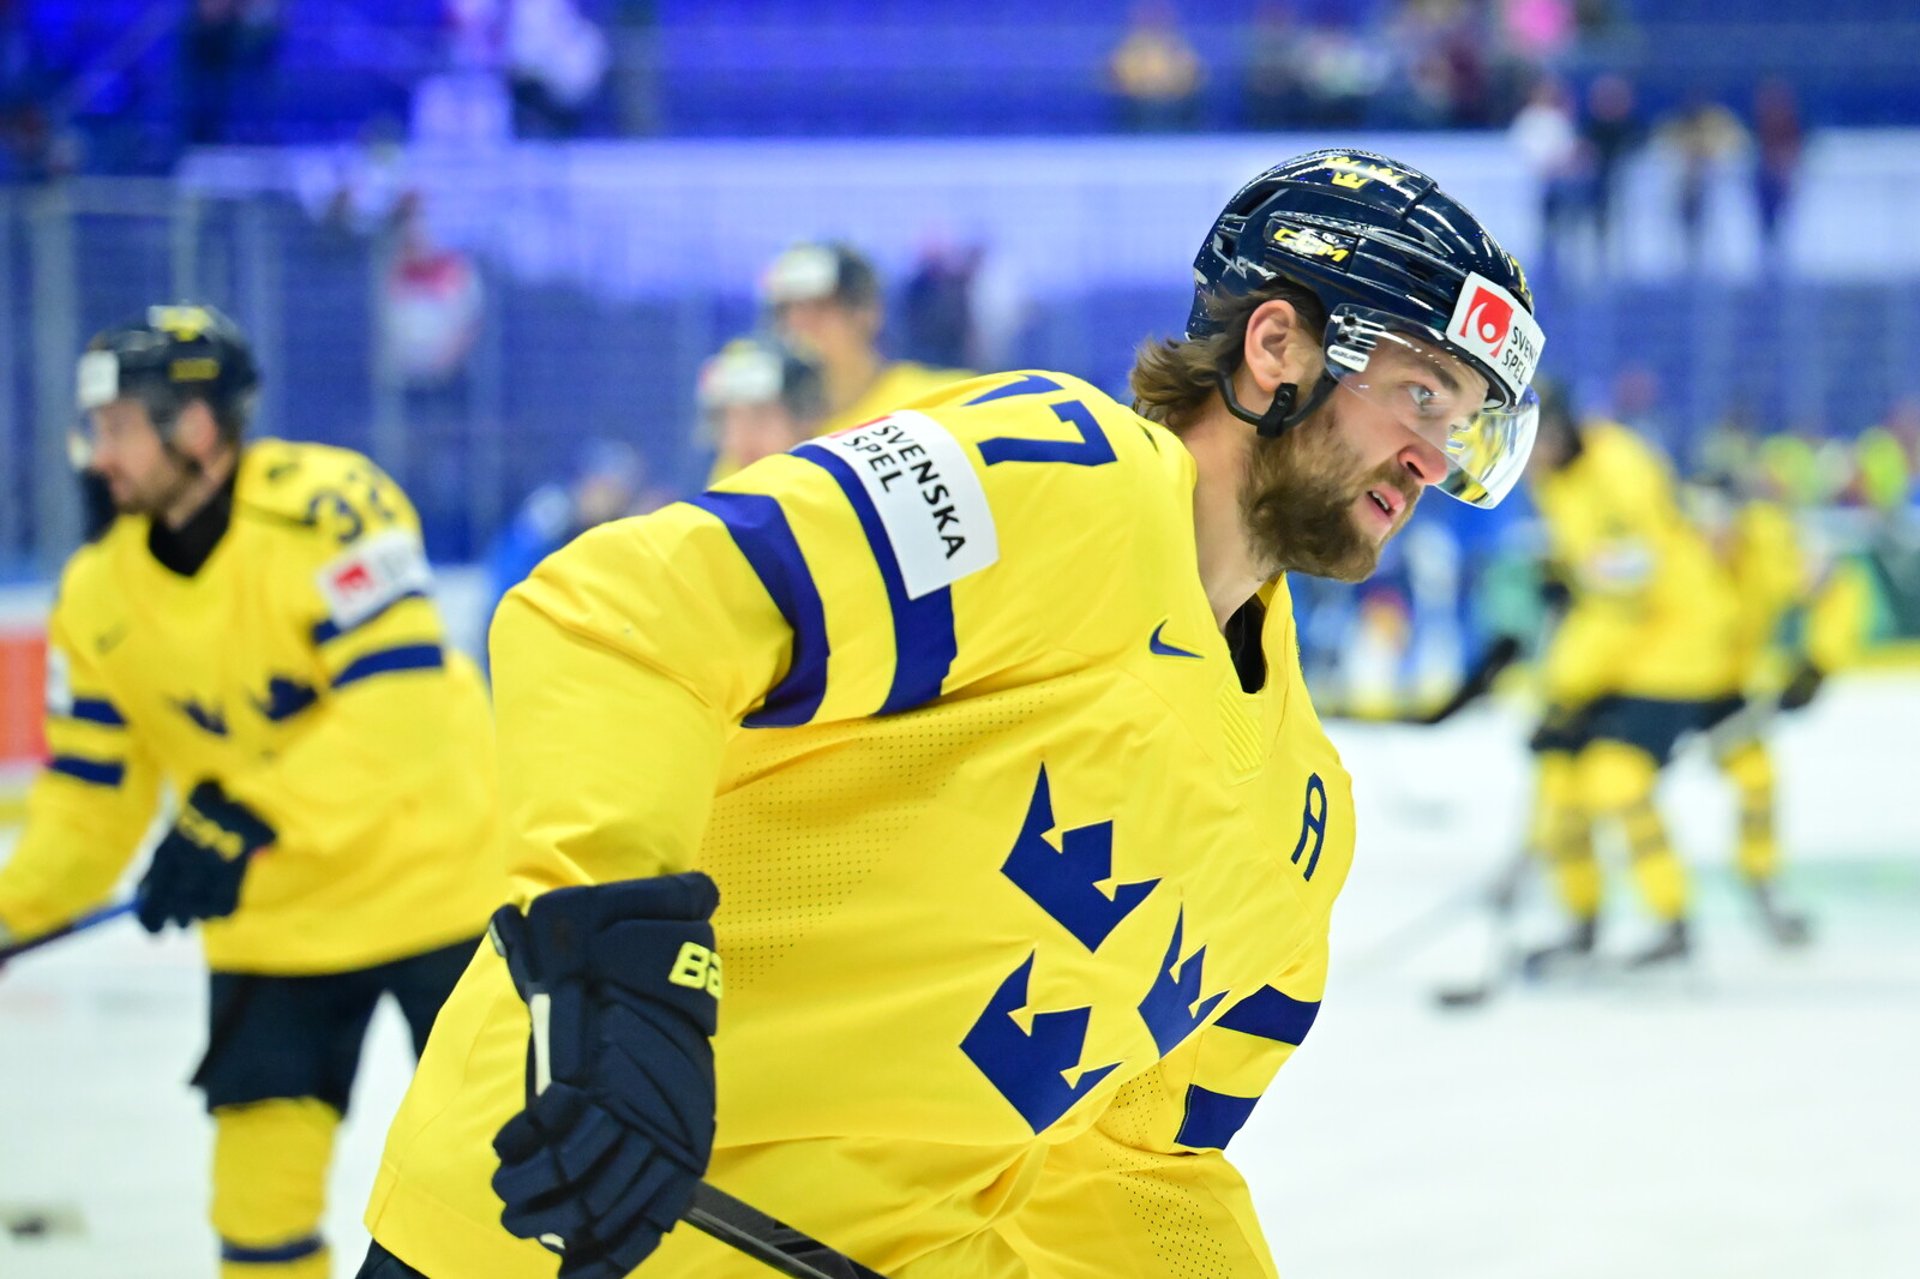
[
  {"x": 929, "y": 497},
  {"x": 372, "y": 574},
  {"x": 1491, "y": 323}
]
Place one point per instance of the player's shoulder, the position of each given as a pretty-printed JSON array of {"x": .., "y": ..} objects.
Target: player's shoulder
[
  {"x": 90, "y": 581},
  {"x": 1061, "y": 418},
  {"x": 1041, "y": 442},
  {"x": 283, "y": 477},
  {"x": 316, "y": 493},
  {"x": 906, "y": 380}
]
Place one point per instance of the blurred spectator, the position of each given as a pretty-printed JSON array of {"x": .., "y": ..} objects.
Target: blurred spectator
[
  {"x": 1704, "y": 136},
  {"x": 228, "y": 49},
  {"x": 432, "y": 305},
  {"x": 1779, "y": 141},
  {"x": 557, "y": 61},
  {"x": 758, "y": 397},
  {"x": 1341, "y": 75},
  {"x": 1275, "y": 92},
  {"x": 552, "y": 57},
  {"x": 1611, "y": 129},
  {"x": 27, "y": 151},
  {"x": 1538, "y": 30},
  {"x": 936, "y": 307},
  {"x": 1548, "y": 141},
  {"x": 1444, "y": 44},
  {"x": 609, "y": 482},
  {"x": 1156, "y": 72}
]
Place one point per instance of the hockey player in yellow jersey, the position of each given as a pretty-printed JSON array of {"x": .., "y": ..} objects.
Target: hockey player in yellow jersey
[
  {"x": 1647, "y": 646},
  {"x": 255, "y": 630},
  {"x": 824, "y": 301},
  {"x": 987, "y": 720}
]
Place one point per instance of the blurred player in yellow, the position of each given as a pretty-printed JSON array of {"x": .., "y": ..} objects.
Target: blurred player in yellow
[
  {"x": 1647, "y": 647},
  {"x": 987, "y": 720},
  {"x": 824, "y": 301},
  {"x": 758, "y": 397},
  {"x": 1745, "y": 510},
  {"x": 255, "y": 630}
]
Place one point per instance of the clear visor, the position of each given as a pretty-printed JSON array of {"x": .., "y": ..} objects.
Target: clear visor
[{"x": 1442, "y": 399}]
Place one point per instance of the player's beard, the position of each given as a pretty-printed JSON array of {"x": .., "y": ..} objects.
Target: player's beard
[
  {"x": 157, "y": 492},
  {"x": 1299, "y": 497}
]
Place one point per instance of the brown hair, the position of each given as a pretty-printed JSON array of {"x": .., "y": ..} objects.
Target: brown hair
[{"x": 1174, "y": 378}]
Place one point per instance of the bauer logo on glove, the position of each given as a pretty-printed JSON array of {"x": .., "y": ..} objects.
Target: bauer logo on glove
[{"x": 622, "y": 985}]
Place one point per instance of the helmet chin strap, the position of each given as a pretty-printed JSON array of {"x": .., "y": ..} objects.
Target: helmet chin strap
[{"x": 1281, "y": 415}]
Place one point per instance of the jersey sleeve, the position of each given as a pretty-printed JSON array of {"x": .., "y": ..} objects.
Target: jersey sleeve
[
  {"x": 377, "y": 709},
  {"x": 1148, "y": 1190},
  {"x": 813, "y": 587},
  {"x": 88, "y": 808}
]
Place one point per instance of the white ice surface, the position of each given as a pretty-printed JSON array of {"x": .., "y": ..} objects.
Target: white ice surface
[{"x": 1759, "y": 1119}]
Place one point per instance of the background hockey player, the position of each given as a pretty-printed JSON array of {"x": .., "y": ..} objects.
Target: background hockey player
[
  {"x": 824, "y": 300},
  {"x": 988, "y": 721},
  {"x": 758, "y": 396},
  {"x": 255, "y": 630},
  {"x": 1647, "y": 646}
]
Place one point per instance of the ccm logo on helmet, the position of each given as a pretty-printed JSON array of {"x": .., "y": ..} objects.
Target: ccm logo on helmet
[{"x": 1490, "y": 323}]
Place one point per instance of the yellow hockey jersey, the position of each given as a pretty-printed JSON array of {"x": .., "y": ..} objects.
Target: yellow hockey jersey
[
  {"x": 303, "y": 667},
  {"x": 1653, "y": 613},
  {"x": 1023, "y": 898},
  {"x": 898, "y": 385},
  {"x": 1771, "y": 578}
]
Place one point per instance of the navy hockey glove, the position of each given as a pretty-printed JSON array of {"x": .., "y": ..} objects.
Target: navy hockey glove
[
  {"x": 1802, "y": 687},
  {"x": 623, "y": 985},
  {"x": 196, "y": 871},
  {"x": 1562, "y": 728}
]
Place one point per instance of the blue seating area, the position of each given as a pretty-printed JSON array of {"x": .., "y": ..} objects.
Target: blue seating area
[{"x": 120, "y": 71}]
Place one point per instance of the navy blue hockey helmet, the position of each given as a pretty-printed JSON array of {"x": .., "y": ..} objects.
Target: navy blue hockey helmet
[
  {"x": 169, "y": 356},
  {"x": 1393, "y": 259}
]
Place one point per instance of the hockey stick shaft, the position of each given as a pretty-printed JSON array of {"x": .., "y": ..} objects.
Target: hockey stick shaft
[
  {"x": 769, "y": 1241},
  {"x": 80, "y": 925}
]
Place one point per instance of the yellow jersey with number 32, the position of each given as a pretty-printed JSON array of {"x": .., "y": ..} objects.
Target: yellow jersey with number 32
[{"x": 303, "y": 667}]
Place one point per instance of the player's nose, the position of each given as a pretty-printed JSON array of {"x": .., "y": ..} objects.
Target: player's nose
[{"x": 1423, "y": 461}]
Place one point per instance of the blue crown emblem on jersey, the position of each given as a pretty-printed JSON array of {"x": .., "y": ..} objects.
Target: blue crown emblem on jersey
[
  {"x": 1064, "y": 881},
  {"x": 1031, "y": 1068},
  {"x": 1173, "y": 1008},
  {"x": 209, "y": 718}
]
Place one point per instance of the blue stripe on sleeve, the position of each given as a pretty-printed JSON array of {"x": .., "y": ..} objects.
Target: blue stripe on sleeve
[
  {"x": 96, "y": 772},
  {"x": 1212, "y": 1118},
  {"x": 97, "y": 710},
  {"x": 386, "y": 661},
  {"x": 924, "y": 645},
  {"x": 759, "y": 528},
  {"x": 1272, "y": 1015},
  {"x": 278, "y": 1255},
  {"x": 327, "y": 629}
]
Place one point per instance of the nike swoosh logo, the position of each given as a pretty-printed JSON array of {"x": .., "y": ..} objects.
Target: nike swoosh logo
[
  {"x": 1158, "y": 646},
  {"x": 104, "y": 644}
]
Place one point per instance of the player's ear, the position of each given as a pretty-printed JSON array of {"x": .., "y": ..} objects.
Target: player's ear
[
  {"x": 195, "y": 432},
  {"x": 1271, "y": 351}
]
